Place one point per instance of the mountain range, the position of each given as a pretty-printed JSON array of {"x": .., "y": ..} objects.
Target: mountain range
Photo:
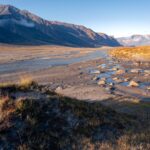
[
  {"x": 22, "y": 27},
  {"x": 135, "y": 40}
]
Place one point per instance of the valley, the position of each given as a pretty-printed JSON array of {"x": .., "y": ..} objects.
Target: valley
[
  {"x": 90, "y": 86},
  {"x": 66, "y": 69},
  {"x": 68, "y": 86}
]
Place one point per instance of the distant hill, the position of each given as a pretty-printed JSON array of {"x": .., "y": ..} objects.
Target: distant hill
[
  {"x": 135, "y": 40},
  {"x": 22, "y": 27}
]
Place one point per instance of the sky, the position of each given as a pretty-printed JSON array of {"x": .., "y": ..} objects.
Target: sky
[{"x": 113, "y": 17}]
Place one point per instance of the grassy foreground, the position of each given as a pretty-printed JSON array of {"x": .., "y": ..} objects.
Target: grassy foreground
[
  {"x": 56, "y": 122},
  {"x": 141, "y": 53}
]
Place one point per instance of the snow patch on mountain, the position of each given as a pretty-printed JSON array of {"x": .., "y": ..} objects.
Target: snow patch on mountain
[
  {"x": 25, "y": 23},
  {"x": 22, "y": 22},
  {"x": 135, "y": 40}
]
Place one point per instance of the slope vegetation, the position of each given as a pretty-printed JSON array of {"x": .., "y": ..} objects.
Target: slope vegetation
[
  {"x": 32, "y": 117},
  {"x": 141, "y": 53}
]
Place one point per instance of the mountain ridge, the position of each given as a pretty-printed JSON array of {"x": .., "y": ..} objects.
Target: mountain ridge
[
  {"x": 135, "y": 40},
  {"x": 32, "y": 29}
]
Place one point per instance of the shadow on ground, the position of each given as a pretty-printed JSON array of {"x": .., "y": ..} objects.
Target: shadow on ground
[{"x": 32, "y": 117}]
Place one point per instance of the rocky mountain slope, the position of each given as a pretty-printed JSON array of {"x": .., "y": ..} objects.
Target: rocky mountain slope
[
  {"x": 22, "y": 27},
  {"x": 135, "y": 40}
]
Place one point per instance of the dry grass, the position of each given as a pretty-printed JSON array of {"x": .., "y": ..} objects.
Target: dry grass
[
  {"x": 6, "y": 84},
  {"x": 141, "y": 53},
  {"x": 24, "y": 82},
  {"x": 6, "y": 108},
  {"x": 58, "y": 122}
]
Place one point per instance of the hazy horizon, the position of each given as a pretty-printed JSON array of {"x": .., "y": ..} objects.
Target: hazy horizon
[{"x": 116, "y": 18}]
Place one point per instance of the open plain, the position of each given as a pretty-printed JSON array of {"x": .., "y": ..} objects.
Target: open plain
[{"x": 89, "y": 74}]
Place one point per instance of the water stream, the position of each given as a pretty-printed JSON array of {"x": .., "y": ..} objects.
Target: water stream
[{"x": 40, "y": 63}]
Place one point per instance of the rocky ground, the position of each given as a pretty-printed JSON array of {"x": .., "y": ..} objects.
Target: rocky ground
[
  {"x": 115, "y": 78},
  {"x": 126, "y": 83},
  {"x": 94, "y": 80}
]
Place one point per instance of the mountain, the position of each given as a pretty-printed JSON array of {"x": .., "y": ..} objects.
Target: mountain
[
  {"x": 22, "y": 27},
  {"x": 111, "y": 39},
  {"x": 135, "y": 40}
]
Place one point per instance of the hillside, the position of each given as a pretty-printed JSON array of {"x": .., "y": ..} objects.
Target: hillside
[
  {"x": 32, "y": 117},
  {"x": 22, "y": 27}
]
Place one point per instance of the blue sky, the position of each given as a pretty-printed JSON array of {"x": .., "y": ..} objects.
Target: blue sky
[{"x": 114, "y": 17}]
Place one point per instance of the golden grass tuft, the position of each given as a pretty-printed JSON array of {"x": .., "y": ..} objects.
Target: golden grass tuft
[
  {"x": 141, "y": 53},
  {"x": 25, "y": 81},
  {"x": 6, "y": 84},
  {"x": 136, "y": 101}
]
